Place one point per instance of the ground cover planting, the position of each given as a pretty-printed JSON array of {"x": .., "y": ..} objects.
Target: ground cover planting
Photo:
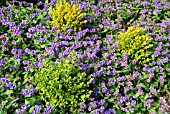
[{"x": 85, "y": 57}]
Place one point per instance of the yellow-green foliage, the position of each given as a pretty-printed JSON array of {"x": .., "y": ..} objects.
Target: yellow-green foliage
[
  {"x": 64, "y": 86},
  {"x": 135, "y": 43},
  {"x": 67, "y": 15}
]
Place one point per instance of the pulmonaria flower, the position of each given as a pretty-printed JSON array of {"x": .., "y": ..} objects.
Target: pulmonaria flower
[
  {"x": 26, "y": 62},
  {"x": 153, "y": 91},
  {"x": 37, "y": 109},
  {"x": 103, "y": 102},
  {"x": 28, "y": 92},
  {"x": 90, "y": 108},
  {"x": 102, "y": 109},
  {"x": 114, "y": 72},
  {"x": 23, "y": 109},
  {"x": 30, "y": 35},
  {"x": 161, "y": 80},
  {"x": 148, "y": 103},
  {"x": 41, "y": 40},
  {"x": 4, "y": 43},
  {"x": 54, "y": 29},
  {"x": 134, "y": 62},
  {"x": 19, "y": 51},
  {"x": 11, "y": 86},
  {"x": 133, "y": 102},
  {"x": 83, "y": 106},
  {"x": 84, "y": 6},
  {"x": 40, "y": 64},
  {"x": 27, "y": 50},
  {"x": 27, "y": 69},
  {"x": 107, "y": 112},
  {"x": 2, "y": 63},
  {"x": 115, "y": 26},
  {"x": 3, "y": 36}
]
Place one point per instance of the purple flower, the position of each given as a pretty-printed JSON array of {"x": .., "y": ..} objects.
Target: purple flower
[
  {"x": 102, "y": 109},
  {"x": 54, "y": 29},
  {"x": 11, "y": 86},
  {"x": 148, "y": 104},
  {"x": 27, "y": 50},
  {"x": 107, "y": 112},
  {"x": 40, "y": 64},
  {"x": 165, "y": 60},
  {"x": 23, "y": 109},
  {"x": 5, "y": 43},
  {"x": 29, "y": 91},
  {"x": 20, "y": 51},
  {"x": 153, "y": 91},
  {"x": 113, "y": 72},
  {"x": 134, "y": 62},
  {"x": 103, "y": 102},
  {"x": 133, "y": 102},
  {"x": 155, "y": 55},
  {"x": 2, "y": 63},
  {"x": 3, "y": 36},
  {"x": 159, "y": 48},
  {"x": 96, "y": 91},
  {"x": 161, "y": 80},
  {"x": 26, "y": 62},
  {"x": 158, "y": 6},
  {"x": 83, "y": 106},
  {"x": 41, "y": 40},
  {"x": 84, "y": 6},
  {"x": 140, "y": 92},
  {"x": 115, "y": 26},
  {"x": 14, "y": 42},
  {"x": 145, "y": 3},
  {"x": 47, "y": 110},
  {"x": 90, "y": 108},
  {"x": 108, "y": 72},
  {"x": 30, "y": 35},
  {"x": 27, "y": 69},
  {"x": 164, "y": 52},
  {"x": 37, "y": 109}
]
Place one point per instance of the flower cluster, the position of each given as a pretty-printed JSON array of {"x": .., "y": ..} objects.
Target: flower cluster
[{"x": 119, "y": 85}]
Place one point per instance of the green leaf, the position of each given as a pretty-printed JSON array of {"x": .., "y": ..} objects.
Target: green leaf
[
  {"x": 145, "y": 86},
  {"x": 7, "y": 92},
  {"x": 106, "y": 104},
  {"x": 10, "y": 103},
  {"x": 27, "y": 102},
  {"x": 24, "y": 46},
  {"x": 35, "y": 21},
  {"x": 137, "y": 95},
  {"x": 31, "y": 109},
  {"x": 32, "y": 101},
  {"x": 158, "y": 18},
  {"x": 43, "y": 46},
  {"x": 46, "y": 1},
  {"x": 155, "y": 13},
  {"x": 32, "y": 70},
  {"x": 100, "y": 93}
]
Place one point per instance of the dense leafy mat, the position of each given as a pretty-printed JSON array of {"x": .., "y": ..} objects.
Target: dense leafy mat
[{"x": 120, "y": 64}]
